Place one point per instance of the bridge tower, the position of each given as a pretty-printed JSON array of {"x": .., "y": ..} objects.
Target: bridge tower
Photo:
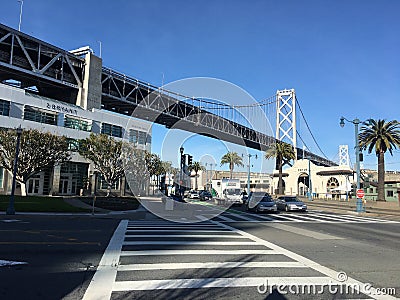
[
  {"x": 286, "y": 116},
  {"x": 344, "y": 159}
]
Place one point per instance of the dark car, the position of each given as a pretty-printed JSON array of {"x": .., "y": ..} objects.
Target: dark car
[
  {"x": 261, "y": 202},
  {"x": 205, "y": 196},
  {"x": 290, "y": 203}
]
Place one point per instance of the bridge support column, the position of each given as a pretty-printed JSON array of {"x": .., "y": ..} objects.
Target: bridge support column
[
  {"x": 286, "y": 117},
  {"x": 89, "y": 95}
]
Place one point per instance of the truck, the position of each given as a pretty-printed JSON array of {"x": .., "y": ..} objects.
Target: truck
[{"x": 228, "y": 191}]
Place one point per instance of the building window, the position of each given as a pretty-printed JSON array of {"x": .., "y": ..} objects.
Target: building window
[
  {"x": 76, "y": 123},
  {"x": 112, "y": 130},
  {"x": 133, "y": 136},
  {"x": 40, "y": 115},
  {"x": 389, "y": 194},
  {"x": 148, "y": 139},
  {"x": 73, "y": 145},
  {"x": 4, "y": 108},
  {"x": 142, "y": 138},
  {"x": 1, "y": 177}
]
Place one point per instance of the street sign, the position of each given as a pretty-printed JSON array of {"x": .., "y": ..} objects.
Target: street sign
[{"x": 360, "y": 193}]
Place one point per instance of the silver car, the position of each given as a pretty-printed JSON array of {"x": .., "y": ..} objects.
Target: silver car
[
  {"x": 261, "y": 202},
  {"x": 290, "y": 203}
]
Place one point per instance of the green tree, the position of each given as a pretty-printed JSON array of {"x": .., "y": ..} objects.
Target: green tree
[
  {"x": 107, "y": 156},
  {"x": 233, "y": 159},
  {"x": 136, "y": 172},
  {"x": 196, "y": 167},
  {"x": 280, "y": 151},
  {"x": 380, "y": 136},
  {"x": 154, "y": 166},
  {"x": 38, "y": 151}
]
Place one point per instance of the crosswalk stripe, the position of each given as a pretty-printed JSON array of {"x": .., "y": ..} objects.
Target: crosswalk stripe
[
  {"x": 99, "y": 287},
  {"x": 184, "y": 236},
  {"x": 225, "y": 218},
  {"x": 312, "y": 219},
  {"x": 120, "y": 286},
  {"x": 370, "y": 219},
  {"x": 167, "y": 227},
  {"x": 341, "y": 218},
  {"x": 199, "y": 252},
  {"x": 332, "y": 274},
  {"x": 239, "y": 216},
  {"x": 213, "y": 243},
  {"x": 209, "y": 265},
  {"x": 291, "y": 218},
  {"x": 178, "y": 230}
]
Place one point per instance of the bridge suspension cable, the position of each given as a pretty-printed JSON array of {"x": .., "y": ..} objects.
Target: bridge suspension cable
[{"x": 309, "y": 129}]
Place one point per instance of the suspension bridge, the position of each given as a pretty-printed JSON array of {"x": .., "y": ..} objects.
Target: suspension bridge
[{"x": 79, "y": 77}]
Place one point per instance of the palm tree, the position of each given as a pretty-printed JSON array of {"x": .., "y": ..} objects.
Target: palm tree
[
  {"x": 383, "y": 136},
  {"x": 233, "y": 159},
  {"x": 280, "y": 151},
  {"x": 196, "y": 167}
]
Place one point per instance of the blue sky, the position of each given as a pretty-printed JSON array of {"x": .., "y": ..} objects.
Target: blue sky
[{"x": 341, "y": 57}]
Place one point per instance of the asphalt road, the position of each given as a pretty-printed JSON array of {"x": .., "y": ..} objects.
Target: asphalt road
[
  {"x": 230, "y": 256},
  {"x": 61, "y": 252}
]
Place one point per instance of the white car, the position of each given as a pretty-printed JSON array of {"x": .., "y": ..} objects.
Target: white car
[{"x": 194, "y": 195}]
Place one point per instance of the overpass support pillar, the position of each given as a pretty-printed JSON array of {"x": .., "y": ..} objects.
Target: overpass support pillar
[{"x": 89, "y": 95}]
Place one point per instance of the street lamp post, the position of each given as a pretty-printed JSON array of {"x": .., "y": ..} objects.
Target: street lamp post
[
  {"x": 356, "y": 122},
  {"x": 309, "y": 180},
  {"x": 248, "y": 172},
  {"x": 11, "y": 209}
]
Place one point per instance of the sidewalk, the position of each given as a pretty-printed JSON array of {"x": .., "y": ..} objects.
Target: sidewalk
[{"x": 380, "y": 208}]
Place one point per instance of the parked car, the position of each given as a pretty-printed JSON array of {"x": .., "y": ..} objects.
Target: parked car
[
  {"x": 194, "y": 195},
  {"x": 261, "y": 202},
  {"x": 205, "y": 196},
  {"x": 290, "y": 203}
]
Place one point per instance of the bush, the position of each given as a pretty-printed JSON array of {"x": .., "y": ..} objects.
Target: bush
[{"x": 113, "y": 203}]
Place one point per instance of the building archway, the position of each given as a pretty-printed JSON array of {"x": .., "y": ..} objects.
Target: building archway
[{"x": 302, "y": 184}]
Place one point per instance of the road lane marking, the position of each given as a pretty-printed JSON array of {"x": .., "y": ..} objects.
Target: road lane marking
[
  {"x": 100, "y": 286},
  {"x": 209, "y": 265}
]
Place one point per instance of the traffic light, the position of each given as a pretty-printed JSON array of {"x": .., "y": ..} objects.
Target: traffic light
[
  {"x": 183, "y": 160},
  {"x": 190, "y": 160}
]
